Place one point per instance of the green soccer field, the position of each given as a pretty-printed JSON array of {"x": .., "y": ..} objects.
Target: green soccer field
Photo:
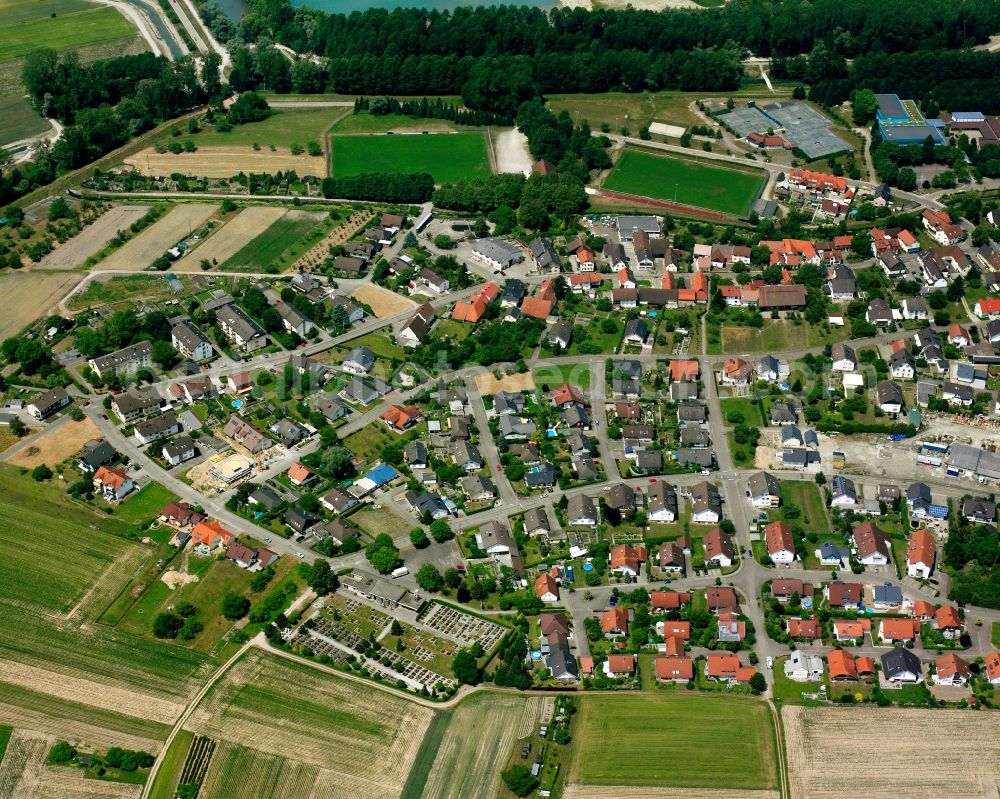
[
  {"x": 21, "y": 34},
  {"x": 447, "y": 157},
  {"x": 674, "y": 739},
  {"x": 687, "y": 181}
]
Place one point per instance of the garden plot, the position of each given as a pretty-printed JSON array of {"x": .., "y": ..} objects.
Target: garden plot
[
  {"x": 965, "y": 748},
  {"x": 231, "y": 237},
  {"x": 269, "y": 706},
  {"x": 138, "y": 253},
  {"x": 478, "y": 743},
  {"x": 93, "y": 238},
  {"x": 461, "y": 627}
]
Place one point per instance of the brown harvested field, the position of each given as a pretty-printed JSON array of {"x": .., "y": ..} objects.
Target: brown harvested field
[
  {"x": 224, "y": 162},
  {"x": 897, "y": 752},
  {"x": 138, "y": 253},
  {"x": 56, "y": 445},
  {"x": 487, "y": 383},
  {"x": 100, "y": 695},
  {"x": 21, "y": 767},
  {"x": 29, "y": 295},
  {"x": 577, "y": 791},
  {"x": 382, "y": 301},
  {"x": 92, "y": 238},
  {"x": 228, "y": 240},
  {"x": 77, "y": 732}
]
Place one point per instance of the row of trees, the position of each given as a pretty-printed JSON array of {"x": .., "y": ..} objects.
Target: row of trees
[
  {"x": 381, "y": 186},
  {"x": 765, "y": 27}
]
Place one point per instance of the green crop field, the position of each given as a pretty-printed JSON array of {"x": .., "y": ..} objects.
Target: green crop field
[
  {"x": 688, "y": 181},
  {"x": 674, "y": 739},
  {"x": 144, "y": 505},
  {"x": 287, "y": 729},
  {"x": 448, "y": 157},
  {"x": 75, "y": 29},
  {"x": 261, "y": 252},
  {"x": 285, "y": 126},
  {"x": 50, "y": 552},
  {"x": 18, "y": 120},
  {"x": 14, "y": 12},
  {"x": 165, "y": 784}
]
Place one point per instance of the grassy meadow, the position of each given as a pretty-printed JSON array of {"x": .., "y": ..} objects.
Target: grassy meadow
[{"x": 448, "y": 157}]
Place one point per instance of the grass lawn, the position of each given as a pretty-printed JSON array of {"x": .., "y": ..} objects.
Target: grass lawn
[
  {"x": 554, "y": 375},
  {"x": 381, "y": 346},
  {"x": 18, "y": 120},
  {"x": 789, "y": 691},
  {"x": 74, "y": 29},
  {"x": 617, "y": 109},
  {"x": 995, "y": 635},
  {"x": 381, "y": 520},
  {"x": 748, "y": 407},
  {"x": 367, "y": 443},
  {"x": 457, "y": 331},
  {"x": 5, "y": 732},
  {"x": 674, "y": 740},
  {"x": 806, "y": 496},
  {"x": 700, "y": 184},
  {"x": 262, "y": 251},
  {"x": 777, "y": 335},
  {"x": 285, "y": 127},
  {"x": 145, "y": 504},
  {"x": 448, "y": 157}
]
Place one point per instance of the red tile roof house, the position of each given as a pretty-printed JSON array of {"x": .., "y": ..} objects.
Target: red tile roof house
[
  {"x": 679, "y": 668},
  {"x": 241, "y": 555},
  {"x": 614, "y": 622},
  {"x": 113, "y": 483},
  {"x": 898, "y": 631},
  {"x": 179, "y": 514},
  {"x": 546, "y": 588},
  {"x": 920, "y": 554},
  {"x": 620, "y": 666},
  {"x": 780, "y": 542},
  {"x": 721, "y": 598},
  {"x": 805, "y": 628},
  {"x": 950, "y": 669},
  {"x": 872, "y": 544},
  {"x": 401, "y": 417},
  {"x": 680, "y": 630},
  {"x": 684, "y": 371},
  {"x": 991, "y": 664},
  {"x": 947, "y": 623},
  {"x": 669, "y": 600},
  {"x": 923, "y": 610},
  {"x": 207, "y": 536},
  {"x": 844, "y": 595},
  {"x": 731, "y": 627},
  {"x": 299, "y": 474},
  {"x": 783, "y": 589},
  {"x": 851, "y": 629},
  {"x": 626, "y": 559},
  {"x": 567, "y": 395},
  {"x": 841, "y": 665},
  {"x": 726, "y": 667}
]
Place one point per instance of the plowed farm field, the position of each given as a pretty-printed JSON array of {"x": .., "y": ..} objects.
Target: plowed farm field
[
  {"x": 906, "y": 752},
  {"x": 92, "y": 238},
  {"x": 290, "y": 730},
  {"x": 138, "y": 253},
  {"x": 29, "y": 295},
  {"x": 231, "y": 237},
  {"x": 225, "y": 162}
]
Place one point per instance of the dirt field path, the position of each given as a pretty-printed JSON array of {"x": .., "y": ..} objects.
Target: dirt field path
[
  {"x": 92, "y": 238},
  {"x": 228, "y": 240},
  {"x": 224, "y": 162},
  {"x": 488, "y": 383},
  {"x": 511, "y": 151},
  {"x": 140, "y": 252}
]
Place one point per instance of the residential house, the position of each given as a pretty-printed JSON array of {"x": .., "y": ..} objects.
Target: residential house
[
  {"x": 358, "y": 361},
  {"x": 364, "y": 391},
  {"x": 991, "y": 665},
  {"x": 886, "y": 596},
  {"x": 560, "y": 333},
  {"x": 844, "y": 358},
  {"x": 636, "y": 332},
  {"x": 830, "y": 554},
  {"x": 242, "y": 331},
  {"x": 940, "y": 227},
  {"x": 736, "y": 371},
  {"x": 871, "y": 544},
  {"x": 266, "y": 498},
  {"x": 300, "y": 520},
  {"x": 337, "y": 501},
  {"x": 721, "y": 598},
  {"x": 979, "y": 511},
  {"x": 246, "y": 435},
  {"x": 889, "y": 397},
  {"x": 415, "y": 330},
  {"x": 434, "y": 281},
  {"x": 207, "y": 536},
  {"x": 732, "y": 629},
  {"x": 546, "y": 588},
  {"x": 781, "y": 298},
  {"x": 851, "y": 630},
  {"x": 190, "y": 341},
  {"x": 807, "y": 629},
  {"x": 765, "y": 491},
  {"x": 671, "y": 558},
  {"x": 541, "y": 476},
  {"x": 96, "y": 453},
  {"x": 802, "y": 667},
  {"x": 112, "y": 483},
  {"x": 581, "y": 511},
  {"x": 329, "y": 405},
  {"x": 628, "y": 560},
  {"x": 706, "y": 503},
  {"x": 125, "y": 361},
  {"x": 843, "y": 493},
  {"x": 841, "y": 284},
  {"x": 901, "y": 666},
  {"x": 544, "y": 256},
  {"x": 782, "y": 413},
  {"x": 400, "y": 418},
  {"x": 614, "y": 622},
  {"x": 780, "y": 542},
  {"x": 536, "y": 522},
  {"x": 43, "y": 405},
  {"x": 178, "y": 450},
  {"x": 842, "y": 665},
  {"x": 668, "y": 600},
  {"x": 495, "y": 539},
  {"x": 785, "y": 589},
  {"x": 950, "y": 669},
  {"x": 726, "y": 667},
  {"x": 135, "y": 403},
  {"x": 914, "y": 308},
  {"x": 149, "y": 430},
  {"x": 902, "y": 365},
  {"x": 879, "y": 313},
  {"x": 466, "y": 456},
  {"x": 293, "y": 320},
  {"x": 674, "y": 668},
  {"x": 662, "y": 502},
  {"x": 947, "y": 622},
  {"x": 477, "y": 488},
  {"x": 771, "y": 369},
  {"x": 620, "y": 666},
  {"x": 718, "y": 548},
  {"x": 849, "y": 596},
  {"x": 299, "y": 475}
]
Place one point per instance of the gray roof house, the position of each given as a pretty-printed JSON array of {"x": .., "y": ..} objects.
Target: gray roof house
[{"x": 901, "y": 665}]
